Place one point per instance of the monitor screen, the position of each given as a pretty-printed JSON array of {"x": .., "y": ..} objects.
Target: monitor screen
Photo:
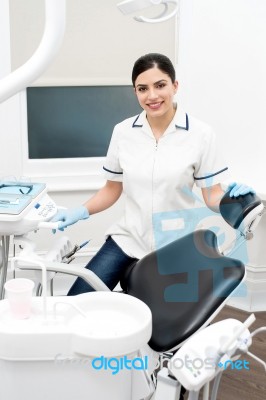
[{"x": 76, "y": 121}]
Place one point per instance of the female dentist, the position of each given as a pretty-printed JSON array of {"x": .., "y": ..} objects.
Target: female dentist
[{"x": 154, "y": 158}]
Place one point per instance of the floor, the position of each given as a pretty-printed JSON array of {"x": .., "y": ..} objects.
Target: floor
[{"x": 245, "y": 384}]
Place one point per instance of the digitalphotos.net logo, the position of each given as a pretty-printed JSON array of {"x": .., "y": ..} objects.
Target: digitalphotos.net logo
[{"x": 117, "y": 364}]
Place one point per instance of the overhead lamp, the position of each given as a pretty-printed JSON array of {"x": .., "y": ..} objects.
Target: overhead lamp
[{"x": 132, "y": 6}]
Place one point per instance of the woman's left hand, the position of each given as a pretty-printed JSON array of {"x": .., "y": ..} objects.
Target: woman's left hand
[{"x": 239, "y": 189}]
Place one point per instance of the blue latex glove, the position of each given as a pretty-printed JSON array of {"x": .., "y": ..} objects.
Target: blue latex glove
[
  {"x": 239, "y": 189},
  {"x": 70, "y": 216}
]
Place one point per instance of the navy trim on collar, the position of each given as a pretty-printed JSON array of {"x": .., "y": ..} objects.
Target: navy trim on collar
[
  {"x": 134, "y": 125},
  {"x": 184, "y": 127}
]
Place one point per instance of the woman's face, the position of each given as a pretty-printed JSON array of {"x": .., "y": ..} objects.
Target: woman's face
[{"x": 155, "y": 92}]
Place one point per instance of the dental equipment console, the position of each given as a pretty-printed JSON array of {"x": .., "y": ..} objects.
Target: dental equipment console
[
  {"x": 24, "y": 207},
  {"x": 170, "y": 297}
]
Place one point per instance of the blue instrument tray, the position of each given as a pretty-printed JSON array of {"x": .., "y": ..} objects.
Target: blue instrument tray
[
  {"x": 13, "y": 203},
  {"x": 21, "y": 188}
]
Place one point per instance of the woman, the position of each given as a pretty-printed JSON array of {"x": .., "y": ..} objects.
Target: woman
[{"x": 154, "y": 159}]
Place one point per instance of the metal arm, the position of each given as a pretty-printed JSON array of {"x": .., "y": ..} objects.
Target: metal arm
[
  {"x": 45, "y": 53},
  {"x": 89, "y": 276}
]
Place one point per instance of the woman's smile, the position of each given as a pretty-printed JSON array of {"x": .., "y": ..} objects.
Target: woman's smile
[{"x": 155, "y": 106}]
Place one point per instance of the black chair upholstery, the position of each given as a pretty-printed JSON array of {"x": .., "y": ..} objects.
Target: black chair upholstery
[
  {"x": 183, "y": 283},
  {"x": 235, "y": 209}
]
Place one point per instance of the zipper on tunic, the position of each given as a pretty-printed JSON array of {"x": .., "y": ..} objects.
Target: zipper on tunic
[{"x": 153, "y": 242}]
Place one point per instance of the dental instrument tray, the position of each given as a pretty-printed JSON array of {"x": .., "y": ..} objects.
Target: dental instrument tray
[
  {"x": 16, "y": 196},
  {"x": 13, "y": 203},
  {"x": 25, "y": 188}
]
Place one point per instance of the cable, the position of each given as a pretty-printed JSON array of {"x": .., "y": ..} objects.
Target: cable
[
  {"x": 216, "y": 384},
  {"x": 262, "y": 329},
  {"x": 257, "y": 359}
]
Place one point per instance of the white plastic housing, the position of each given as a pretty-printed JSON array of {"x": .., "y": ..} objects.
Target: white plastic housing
[{"x": 45, "y": 53}]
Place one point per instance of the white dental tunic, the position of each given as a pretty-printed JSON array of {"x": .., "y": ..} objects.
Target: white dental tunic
[{"x": 158, "y": 177}]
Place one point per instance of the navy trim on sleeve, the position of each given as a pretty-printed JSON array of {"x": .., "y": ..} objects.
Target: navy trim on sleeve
[
  {"x": 209, "y": 176},
  {"x": 112, "y": 172}
]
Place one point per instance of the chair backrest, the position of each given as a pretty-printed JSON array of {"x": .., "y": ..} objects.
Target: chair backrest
[{"x": 183, "y": 283}]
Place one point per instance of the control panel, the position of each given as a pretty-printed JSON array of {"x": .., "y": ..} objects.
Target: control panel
[{"x": 38, "y": 209}]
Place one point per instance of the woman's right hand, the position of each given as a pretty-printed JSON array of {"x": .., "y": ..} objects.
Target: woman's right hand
[{"x": 70, "y": 216}]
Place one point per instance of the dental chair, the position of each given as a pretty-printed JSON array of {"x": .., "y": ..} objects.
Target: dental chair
[
  {"x": 187, "y": 282},
  {"x": 170, "y": 298}
]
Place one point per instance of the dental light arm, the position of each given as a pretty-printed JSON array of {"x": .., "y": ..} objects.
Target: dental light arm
[
  {"x": 45, "y": 53},
  {"x": 130, "y": 6}
]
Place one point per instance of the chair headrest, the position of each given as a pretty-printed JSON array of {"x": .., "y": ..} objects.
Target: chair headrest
[{"x": 240, "y": 212}]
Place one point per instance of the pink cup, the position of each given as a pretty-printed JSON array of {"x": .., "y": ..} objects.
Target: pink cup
[{"x": 19, "y": 295}]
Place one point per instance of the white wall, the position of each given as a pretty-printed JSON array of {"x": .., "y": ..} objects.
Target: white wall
[
  {"x": 221, "y": 69},
  {"x": 100, "y": 44},
  {"x": 8, "y": 123},
  {"x": 5, "y": 39},
  {"x": 222, "y": 64}
]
